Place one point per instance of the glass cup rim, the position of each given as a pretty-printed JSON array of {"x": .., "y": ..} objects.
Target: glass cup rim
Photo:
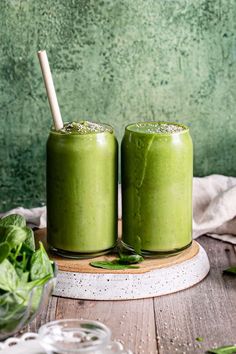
[
  {"x": 185, "y": 128},
  {"x": 110, "y": 130},
  {"x": 101, "y": 342}
]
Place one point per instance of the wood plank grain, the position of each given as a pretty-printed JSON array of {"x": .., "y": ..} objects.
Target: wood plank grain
[
  {"x": 47, "y": 314},
  {"x": 131, "y": 322},
  {"x": 206, "y": 310}
]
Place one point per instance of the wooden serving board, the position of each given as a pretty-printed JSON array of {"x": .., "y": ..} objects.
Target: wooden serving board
[
  {"x": 82, "y": 265},
  {"x": 154, "y": 277}
]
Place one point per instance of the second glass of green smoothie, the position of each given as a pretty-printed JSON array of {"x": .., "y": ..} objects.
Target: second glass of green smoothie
[
  {"x": 82, "y": 189},
  {"x": 157, "y": 171}
]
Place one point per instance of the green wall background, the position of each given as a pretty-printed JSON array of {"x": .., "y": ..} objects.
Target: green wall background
[{"x": 118, "y": 62}]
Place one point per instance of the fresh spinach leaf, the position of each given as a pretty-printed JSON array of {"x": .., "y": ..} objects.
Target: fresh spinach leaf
[
  {"x": 24, "y": 277},
  {"x": 35, "y": 288},
  {"x": 20, "y": 260},
  {"x": 40, "y": 264},
  {"x": 112, "y": 265},
  {"x": 14, "y": 235},
  {"x": 129, "y": 258},
  {"x": 199, "y": 339},
  {"x": 8, "y": 277},
  {"x": 23, "y": 272},
  {"x": 4, "y": 250},
  {"x": 11, "y": 307},
  {"x": 231, "y": 271},
  {"x": 124, "y": 261},
  {"x": 31, "y": 292},
  {"x": 231, "y": 349},
  {"x": 29, "y": 242},
  {"x": 26, "y": 287},
  {"x": 13, "y": 219},
  {"x": 138, "y": 245}
]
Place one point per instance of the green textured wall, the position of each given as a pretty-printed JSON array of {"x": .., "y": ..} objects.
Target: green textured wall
[{"x": 115, "y": 61}]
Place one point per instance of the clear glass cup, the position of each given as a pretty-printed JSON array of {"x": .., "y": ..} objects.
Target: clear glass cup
[
  {"x": 18, "y": 315},
  {"x": 78, "y": 336},
  {"x": 82, "y": 191},
  {"x": 157, "y": 172}
]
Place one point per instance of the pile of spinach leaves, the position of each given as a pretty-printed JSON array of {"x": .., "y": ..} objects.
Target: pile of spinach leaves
[{"x": 22, "y": 268}]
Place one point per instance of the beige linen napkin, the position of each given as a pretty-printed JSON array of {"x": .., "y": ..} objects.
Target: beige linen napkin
[
  {"x": 35, "y": 217},
  {"x": 214, "y": 208}
]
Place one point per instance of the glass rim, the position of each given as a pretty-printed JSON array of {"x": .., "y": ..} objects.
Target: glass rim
[
  {"x": 185, "y": 128},
  {"x": 100, "y": 342}
]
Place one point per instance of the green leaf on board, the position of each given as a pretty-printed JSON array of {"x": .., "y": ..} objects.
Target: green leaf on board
[
  {"x": 129, "y": 258},
  {"x": 112, "y": 265},
  {"x": 231, "y": 271},
  {"x": 231, "y": 349},
  {"x": 138, "y": 244},
  {"x": 124, "y": 261}
]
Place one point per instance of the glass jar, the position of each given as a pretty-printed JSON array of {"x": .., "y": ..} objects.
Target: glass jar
[
  {"x": 157, "y": 171},
  {"x": 78, "y": 336},
  {"x": 82, "y": 190}
]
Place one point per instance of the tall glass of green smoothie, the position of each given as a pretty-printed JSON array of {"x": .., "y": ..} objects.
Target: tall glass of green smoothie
[
  {"x": 82, "y": 189},
  {"x": 157, "y": 170}
]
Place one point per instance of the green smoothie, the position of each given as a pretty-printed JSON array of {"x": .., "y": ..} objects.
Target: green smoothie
[
  {"x": 82, "y": 189},
  {"x": 157, "y": 170}
]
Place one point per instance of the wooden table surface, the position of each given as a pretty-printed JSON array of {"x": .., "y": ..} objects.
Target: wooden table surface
[{"x": 168, "y": 324}]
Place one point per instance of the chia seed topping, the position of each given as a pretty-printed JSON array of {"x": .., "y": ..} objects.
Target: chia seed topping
[
  {"x": 84, "y": 127},
  {"x": 157, "y": 128}
]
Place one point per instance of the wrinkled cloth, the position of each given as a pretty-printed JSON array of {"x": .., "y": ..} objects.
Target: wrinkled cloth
[
  {"x": 214, "y": 208},
  {"x": 35, "y": 217}
]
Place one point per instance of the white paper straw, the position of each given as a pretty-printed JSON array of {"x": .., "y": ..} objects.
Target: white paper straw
[{"x": 51, "y": 93}]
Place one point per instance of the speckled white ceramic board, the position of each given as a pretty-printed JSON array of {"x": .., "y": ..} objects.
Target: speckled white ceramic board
[{"x": 167, "y": 276}]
